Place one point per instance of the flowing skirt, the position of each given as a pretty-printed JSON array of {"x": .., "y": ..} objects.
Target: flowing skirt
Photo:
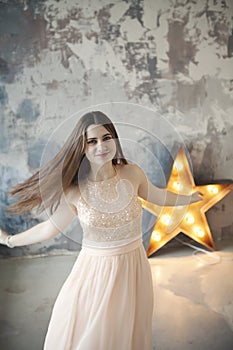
[{"x": 106, "y": 303}]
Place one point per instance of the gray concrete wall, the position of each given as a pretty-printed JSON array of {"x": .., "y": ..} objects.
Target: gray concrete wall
[{"x": 163, "y": 67}]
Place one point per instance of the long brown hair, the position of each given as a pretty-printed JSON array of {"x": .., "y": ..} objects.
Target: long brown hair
[{"x": 44, "y": 189}]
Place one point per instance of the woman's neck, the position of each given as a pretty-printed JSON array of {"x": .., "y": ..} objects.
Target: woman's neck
[{"x": 102, "y": 173}]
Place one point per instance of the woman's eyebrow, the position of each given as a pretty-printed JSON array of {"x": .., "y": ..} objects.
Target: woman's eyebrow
[{"x": 94, "y": 138}]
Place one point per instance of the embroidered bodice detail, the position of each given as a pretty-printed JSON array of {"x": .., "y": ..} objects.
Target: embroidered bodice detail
[{"x": 110, "y": 212}]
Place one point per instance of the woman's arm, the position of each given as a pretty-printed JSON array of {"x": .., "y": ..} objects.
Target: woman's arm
[
  {"x": 44, "y": 230},
  {"x": 161, "y": 196}
]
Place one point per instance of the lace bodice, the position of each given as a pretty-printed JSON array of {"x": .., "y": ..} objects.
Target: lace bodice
[{"x": 110, "y": 212}]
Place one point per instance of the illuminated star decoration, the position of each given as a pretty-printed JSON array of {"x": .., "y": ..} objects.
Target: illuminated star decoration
[{"x": 189, "y": 219}]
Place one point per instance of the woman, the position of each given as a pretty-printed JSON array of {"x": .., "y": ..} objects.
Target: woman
[{"x": 107, "y": 300}]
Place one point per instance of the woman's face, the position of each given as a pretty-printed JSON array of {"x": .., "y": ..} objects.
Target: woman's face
[{"x": 100, "y": 147}]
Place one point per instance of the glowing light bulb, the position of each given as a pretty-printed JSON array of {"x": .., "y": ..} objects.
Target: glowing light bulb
[
  {"x": 156, "y": 236},
  {"x": 199, "y": 232},
  {"x": 212, "y": 189},
  {"x": 189, "y": 218},
  {"x": 166, "y": 219},
  {"x": 178, "y": 165},
  {"x": 177, "y": 186}
]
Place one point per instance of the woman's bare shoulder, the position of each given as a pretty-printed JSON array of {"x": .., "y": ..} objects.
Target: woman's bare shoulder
[
  {"x": 71, "y": 196},
  {"x": 72, "y": 193},
  {"x": 131, "y": 172}
]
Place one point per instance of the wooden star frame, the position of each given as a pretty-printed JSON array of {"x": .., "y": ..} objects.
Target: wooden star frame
[{"x": 189, "y": 219}]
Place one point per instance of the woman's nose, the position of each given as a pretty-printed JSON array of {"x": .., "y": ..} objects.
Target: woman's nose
[{"x": 100, "y": 145}]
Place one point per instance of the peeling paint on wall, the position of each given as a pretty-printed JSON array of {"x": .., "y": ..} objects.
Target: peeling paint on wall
[{"x": 59, "y": 57}]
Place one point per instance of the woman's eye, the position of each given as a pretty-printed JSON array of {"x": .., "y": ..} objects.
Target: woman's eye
[
  {"x": 91, "y": 142},
  {"x": 106, "y": 138}
]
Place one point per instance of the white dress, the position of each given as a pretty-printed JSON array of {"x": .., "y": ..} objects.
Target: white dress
[{"x": 106, "y": 303}]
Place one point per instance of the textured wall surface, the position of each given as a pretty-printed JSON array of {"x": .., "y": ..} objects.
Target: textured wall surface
[{"x": 163, "y": 67}]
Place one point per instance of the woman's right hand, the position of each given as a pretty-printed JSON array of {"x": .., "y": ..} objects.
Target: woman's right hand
[{"x": 3, "y": 236}]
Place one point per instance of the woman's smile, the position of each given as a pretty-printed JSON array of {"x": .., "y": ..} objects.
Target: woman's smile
[{"x": 102, "y": 154}]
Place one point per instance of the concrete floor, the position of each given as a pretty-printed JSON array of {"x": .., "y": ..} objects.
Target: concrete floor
[{"x": 193, "y": 301}]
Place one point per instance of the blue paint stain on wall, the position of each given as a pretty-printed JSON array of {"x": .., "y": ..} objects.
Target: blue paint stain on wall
[
  {"x": 35, "y": 153},
  {"x": 28, "y": 111},
  {"x": 3, "y": 96},
  {"x": 22, "y": 35}
]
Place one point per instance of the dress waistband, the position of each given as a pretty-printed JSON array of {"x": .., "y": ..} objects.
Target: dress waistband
[{"x": 111, "y": 250}]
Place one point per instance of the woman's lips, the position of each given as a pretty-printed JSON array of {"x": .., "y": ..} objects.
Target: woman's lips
[{"x": 102, "y": 154}]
